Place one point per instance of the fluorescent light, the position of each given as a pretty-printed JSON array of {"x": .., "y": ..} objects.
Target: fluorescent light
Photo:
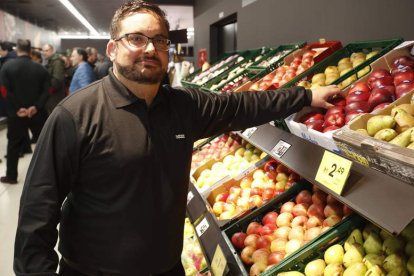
[
  {"x": 78, "y": 16},
  {"x": 84, "y": 37}
]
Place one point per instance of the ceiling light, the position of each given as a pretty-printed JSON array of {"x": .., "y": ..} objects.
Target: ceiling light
[{"x": 82, "y": 19}]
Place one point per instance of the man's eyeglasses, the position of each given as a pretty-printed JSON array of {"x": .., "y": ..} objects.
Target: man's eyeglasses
[{"x": 139, "y": 40}]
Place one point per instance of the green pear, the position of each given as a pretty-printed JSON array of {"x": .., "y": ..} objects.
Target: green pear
[
  {"x": 409, "y": 108},
  {"x": 334, "y": 254},
  {"x": 393, "y": 245},
  {"x": 371, "y": 260},
  {"x": 357, "y": 269},
  {"x": 355, "y": 254},
  {"x": 378, "y": 122},
  {"x": 393, "y": 262},
  {"x": 315, "y": 268},
  {"x": 408, "y": 232},
  {"x": 385, "y": 234},
  {"x": 398, "y": 272},
  {"x": 362, "y": 131},
  {"x": 333, "y": 270},
  {"x": 373, "y": 244},
  {"x": 376, "y": 270},
  {"x": 354, "y": 237},
  {"x": 402, "y": 118},
  {"x": 386, "y": 134},
  {"x": 369, "y": 227},
  {"x": 411, "y": 145},
  {"x": 410, "y": 265},
  {"x": 409, "y": 248},
  {"x": 403, "y": 139}
]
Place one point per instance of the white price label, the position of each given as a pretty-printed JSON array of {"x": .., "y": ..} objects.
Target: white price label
[
  {"x": 190, "y": 196},
  {"x": 249, "y": 132},
  {"x": 202, "y": 227},
  {"x": 280, "y": 149}
]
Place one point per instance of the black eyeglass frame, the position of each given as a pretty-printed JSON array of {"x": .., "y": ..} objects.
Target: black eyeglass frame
[{"x": 156, "y": 45}]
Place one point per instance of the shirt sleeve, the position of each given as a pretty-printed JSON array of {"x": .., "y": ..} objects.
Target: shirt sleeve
[
  {"x": 218, "y": 113},
  {"x": 40, "y": 103},
  {"x": 51, "y": 174}
]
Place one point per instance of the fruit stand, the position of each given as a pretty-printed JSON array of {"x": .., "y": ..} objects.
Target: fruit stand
[{"x": 373, "y": 198}]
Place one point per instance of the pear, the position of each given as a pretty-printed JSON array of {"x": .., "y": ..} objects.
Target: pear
[
  {"x": 410, "y": 265},
  {"x": 393, "y": 262},
  {"x": 393, "y": 245},
  {"x": 354, "y": 237},
  {"x": 373, "y": 244},
  {"x": 371, "y": 54},
  {"x": 386, "y": 134},
  {"x": 362, "y": 131},
  {"x": 398, "y": 272},
  {"x": 411, "y": 145},
  {"x": 315, "y": 268},
  {"x": 385, "y": 234},
  {"x": 334, "y": 270},
  {"x": 376, "y": 270},
  {"x": 403, "y": 119},
  {"x": 291, "y": 273},
  {"x": 378, "y": 122},
  {"x": 355, "y": 254},
  {"x": 408, "y": 232},
  {"x": 357, "y": 269},
  {"x": 403, "y": 139},
  {"x": 369, "y": 227},
  {"x": 409, "y": 108},
  {"x": 334, "y": 254},
  {"x": 409, "y": 248},
  {"x": 371, "y": 260}
]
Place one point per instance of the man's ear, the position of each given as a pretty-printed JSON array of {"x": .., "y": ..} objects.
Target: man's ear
[{"x": 111, "y": 50}]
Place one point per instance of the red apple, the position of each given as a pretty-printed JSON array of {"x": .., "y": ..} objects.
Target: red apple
[
  {"x": 316, "y": 209},
  {"x": 282, "y": 169},
  {"x": 287, "y": 207},
  {"x": 333, "y": 209},
  {"x": 312, "y": 233},
  {"x": 254, "y": 228},
  {"x": 378, "y": 74},
  {"x": 308, "y": 54},
  {"x": 319, "y": 197},
  {"x": 387, "y": 80},
  {"x": 402, "y": 61},
  {"x": 246, "y": 255},
  {"x": 381, "y": 106},
  {"x": 238, "y": 240},
  {"x": 346, "y": 210},
  {"x": 401, "y": 69},
  {"x": 359, "y": 86},
  {"x": 330, "y": 199},
  {"x": 222, "y": 197},
  {"x": 236, "y": 190},
  {"x": 403, "y": 77},
  {"x": 270, "y": 218},
  {"x": 268, "y": 229},
  {"x": 256, "y": 191},
  {"x": 335, "y": 109},
  {"x": 335, "y": 119},
  {"x": 251, "y": 240},
  {"x": 258, "y": 268},
  {"x": 300, "y": 209},
  {"x": 403, "y": 88},
  {"x": 316, "y": 125},
  {"x": 297, "y": 233},
  {"x": 282, "y": 232},
  {"x": 330, "y": 128},
  {"x": 262, "y": 242},
  {"x": 357, "y": 96},
  {"x": 390, "y": 88},
  {"x": 246, "y": 182},
  {"x": 351, "y": 115},
  {"x": 304, "y": 197},
  {"x": 310, "y": 117},
  {"x": 361, "y": 107},
  {"x": 299, "y": 221},
  {"x": 270, "y": 166},
  {"x": 268, "y": 193},
  {"x": 255, "y": 200},
  {"x": 338, "y": 101},
  {"x": 279, "y": 244},
  {"x": 284, "y": 219},
  {"x": 314, "y": 221},
  {"x": 232, "y": 198},
  {"x": 331, "y": 220},
  {"x": 275, "y": 257},
  {"x": 379, "y": 96}
]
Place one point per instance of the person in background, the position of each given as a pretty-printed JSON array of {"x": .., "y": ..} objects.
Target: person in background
[
  {"x": 92, "y": 56},
  {"x": 36, "y": 56},
  {"x": 113, "y": 163},
  {"x": 102, "y": 66},
  {"x": 84, "y": 74},
  {"x": 26, "y": 84},
  {"x": 69, "y": 71},
  {"x": 6, "y": 52},
  {"x": 55, "y": 67}
]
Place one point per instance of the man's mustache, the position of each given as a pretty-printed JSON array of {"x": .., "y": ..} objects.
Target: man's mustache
[{"x": 140, "y": 59}]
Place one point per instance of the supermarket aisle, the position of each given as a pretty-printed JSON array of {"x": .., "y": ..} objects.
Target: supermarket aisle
[{"x": 9, "y": 207}]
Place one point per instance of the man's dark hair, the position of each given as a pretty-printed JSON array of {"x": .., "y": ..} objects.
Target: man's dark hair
[
  {"x": 6, "y": 46},
  {"x": 136, "y": 7},
  {"x": 82, "y": 52},
  {"x": 24, "y": 45}
]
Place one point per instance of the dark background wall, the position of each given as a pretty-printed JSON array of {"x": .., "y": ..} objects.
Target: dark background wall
[
  {"x": 274, "y": 22},
  {"x": 99, "y": 44}
]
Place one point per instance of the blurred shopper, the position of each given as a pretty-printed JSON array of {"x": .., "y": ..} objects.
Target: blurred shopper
[
  {"x": 84, "y": 74},
  {"x": 113, "y": 163},
  {"x": 55, "y": 67},
  {"x": 26, "y": 84},
  {"x": 36, "y": 56},
  {"x": 6, "y": 52},
  {"x": 92, "y": 56},
  {"x": 69, "y": 71},
  {"x": 102, "y": 66}
]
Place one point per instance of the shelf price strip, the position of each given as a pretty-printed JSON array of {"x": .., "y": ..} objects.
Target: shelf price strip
[
  {"x": 333, "y": 172},
  {"x": 202, "y": 227},
  {"x": 219, "y": 263},
  {"x": 280, "y": 149},
  {"x": 249, "y": 132}
]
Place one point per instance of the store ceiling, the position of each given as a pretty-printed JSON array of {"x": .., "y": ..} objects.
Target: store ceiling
[{"x": 52, "y": 15}]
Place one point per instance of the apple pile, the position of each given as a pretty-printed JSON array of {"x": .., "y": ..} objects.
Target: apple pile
[
  {"x": 192, "y": 256},
  {"x": 270, "y": 60},
  {"x": 234, "y": 84},
  {"x": 282, "y": 233},
  {"x": 371, "y": 252},
  {"x": 254, "y": 190},
  {"x": 285, "y": 73},
  {"x": 332, "y": 73},
  {"x": 216, "y": 149},
  {"x": 232, "y": 164}
]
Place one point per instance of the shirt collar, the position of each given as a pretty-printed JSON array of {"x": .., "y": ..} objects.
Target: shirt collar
[{"x": 120, "y": 94}]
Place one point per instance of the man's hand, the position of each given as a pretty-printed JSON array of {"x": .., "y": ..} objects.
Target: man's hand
[
  {"x": 320, "y": 95},
  {"x": 22, "y": 112},
  {"x": 31, "y": 111}
]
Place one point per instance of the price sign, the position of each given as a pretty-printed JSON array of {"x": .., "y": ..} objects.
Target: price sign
[
  {"x": 280, "y": 149},
  {"x": 218, "y": 265},
  {"x": 202, "y": 227},
  {"x": 190, "y": 196},
  {"x": 333, "y": 171},
  {"x": 249, "y": 132}
]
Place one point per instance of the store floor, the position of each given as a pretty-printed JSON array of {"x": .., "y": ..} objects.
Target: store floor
[{"x": 9, "y": 208}]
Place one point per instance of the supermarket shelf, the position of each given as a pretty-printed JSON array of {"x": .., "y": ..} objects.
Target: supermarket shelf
[{"x": 384, "y": 200}]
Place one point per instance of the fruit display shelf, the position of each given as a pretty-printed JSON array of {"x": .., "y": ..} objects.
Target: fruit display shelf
[{"x": 373, "y": 194}]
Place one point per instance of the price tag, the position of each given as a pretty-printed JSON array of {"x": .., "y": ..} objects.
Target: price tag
[
  {"x": 249, "y": 132},
  {"x": 190, "y": 196},
  {"x": 218, "y": 265},
  {"x": 280, "y": 149},
  {"x": 333, "y": 171},
  {"x": 202, "y": 227}
]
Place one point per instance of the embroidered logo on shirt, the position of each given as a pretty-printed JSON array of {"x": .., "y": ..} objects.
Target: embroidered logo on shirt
[{"x": 179, "y": 136}]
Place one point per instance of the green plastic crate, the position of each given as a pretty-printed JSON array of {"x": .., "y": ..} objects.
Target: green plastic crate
[{"x": 316, "y": 249}]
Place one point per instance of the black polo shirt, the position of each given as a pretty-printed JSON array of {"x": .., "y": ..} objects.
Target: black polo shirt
[{"x": 124, "y": 169}]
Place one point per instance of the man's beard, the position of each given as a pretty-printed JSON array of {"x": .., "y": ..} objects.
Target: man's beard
[{"x": 130, "y": 72}]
